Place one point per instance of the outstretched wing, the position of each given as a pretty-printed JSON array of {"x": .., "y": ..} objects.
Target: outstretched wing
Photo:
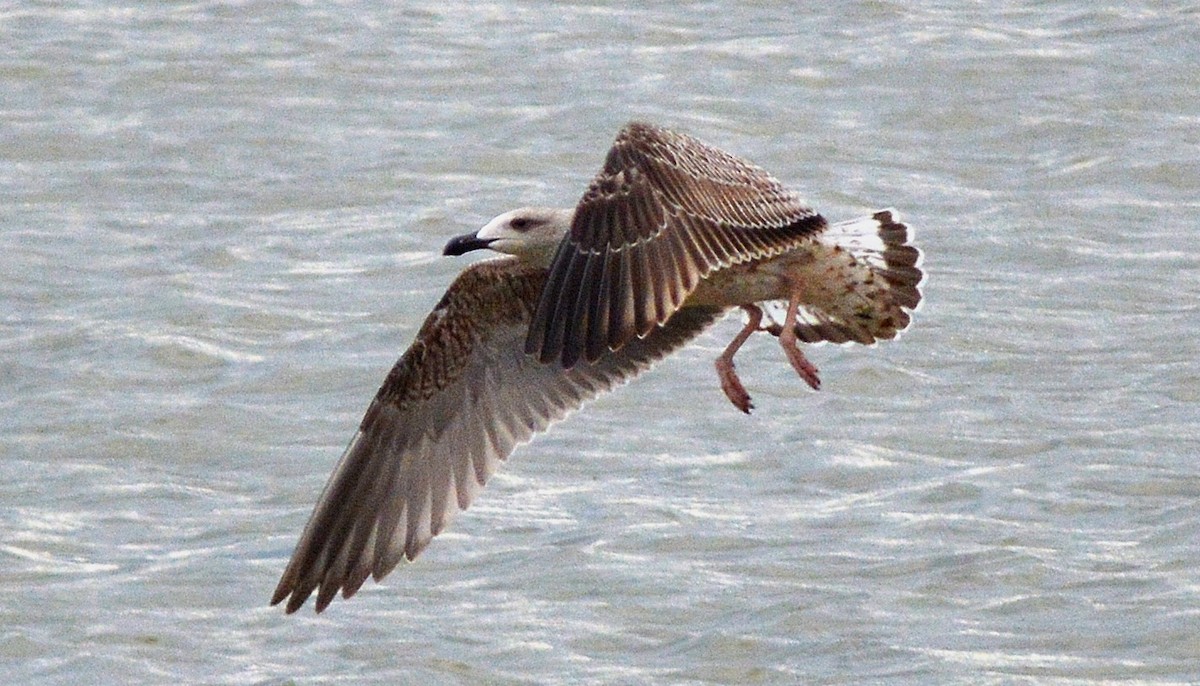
[
  {"x": 664, "y": 212},
  {"x": 456, "y": 404}
]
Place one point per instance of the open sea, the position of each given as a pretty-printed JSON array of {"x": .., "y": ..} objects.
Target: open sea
[{"x": 221, "y": 223}]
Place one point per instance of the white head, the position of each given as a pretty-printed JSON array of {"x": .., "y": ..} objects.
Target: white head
[{"x": 530, "y": 233}]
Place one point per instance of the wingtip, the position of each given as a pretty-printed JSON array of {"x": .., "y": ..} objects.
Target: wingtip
[
  {"x": 295, "y": 601},
  {"x": 282, "y": 592}
]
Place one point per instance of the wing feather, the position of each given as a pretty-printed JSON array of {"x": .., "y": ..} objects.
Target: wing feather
[
  {"x": 662, "y": 198},
  {"x": 455, "y": 405}
]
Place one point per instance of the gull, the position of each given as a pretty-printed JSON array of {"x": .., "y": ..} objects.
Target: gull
[{"x": 670, "y": 236}]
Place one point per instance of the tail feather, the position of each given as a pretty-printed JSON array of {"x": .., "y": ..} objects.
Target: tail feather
[{"x": 864, "y": 285}]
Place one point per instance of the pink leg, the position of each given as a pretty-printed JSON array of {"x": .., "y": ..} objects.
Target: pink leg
[
  {"x": 730, "y": 383},
  {"x": 791, "y": 347}
]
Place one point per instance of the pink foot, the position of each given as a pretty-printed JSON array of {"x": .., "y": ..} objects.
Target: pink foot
[
  {"x": 732, "y": 385},
  {"x": 791, "y": 347},
  {"x": 803, "y": 367}
]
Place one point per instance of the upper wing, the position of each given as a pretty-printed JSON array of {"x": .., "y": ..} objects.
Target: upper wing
[
  {"x": 458, "y": 402},
  {"x": 664, "y": 212}
]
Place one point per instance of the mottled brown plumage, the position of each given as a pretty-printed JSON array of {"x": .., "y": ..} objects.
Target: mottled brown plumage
[
  {"x": 664, "y": 213},
  {"x": 455, "y": 405},
  {"x": 671, "y": 234}
]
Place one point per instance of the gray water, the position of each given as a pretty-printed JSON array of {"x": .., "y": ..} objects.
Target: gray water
[{"x": 220, "y": 223}]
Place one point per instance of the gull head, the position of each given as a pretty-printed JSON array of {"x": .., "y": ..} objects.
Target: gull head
[{"x": 530, "y": 233}]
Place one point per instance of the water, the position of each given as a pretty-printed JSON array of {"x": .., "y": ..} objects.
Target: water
[{"x": 220, "y": 224}]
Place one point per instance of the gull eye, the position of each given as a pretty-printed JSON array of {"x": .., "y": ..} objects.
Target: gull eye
[{"x": 520, "y": 223}]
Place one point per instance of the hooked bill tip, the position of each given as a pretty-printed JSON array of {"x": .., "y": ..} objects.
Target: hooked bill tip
[{"x": 460, "y": 245}]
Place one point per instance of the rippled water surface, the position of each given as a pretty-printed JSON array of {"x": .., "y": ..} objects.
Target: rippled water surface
[{"x": 220, "y": 223}]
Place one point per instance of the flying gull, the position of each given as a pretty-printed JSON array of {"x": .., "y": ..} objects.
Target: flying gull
[{"x": 670, "y": 236}]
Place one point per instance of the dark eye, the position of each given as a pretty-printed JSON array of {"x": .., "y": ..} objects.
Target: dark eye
[{"x": 520, "y": 223}]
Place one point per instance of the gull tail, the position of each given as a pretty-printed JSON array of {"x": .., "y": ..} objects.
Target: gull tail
[{"x": 864, "y": 284}]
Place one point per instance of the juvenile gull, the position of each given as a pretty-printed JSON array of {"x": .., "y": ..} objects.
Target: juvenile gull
[{"x": 670, "y": 235}]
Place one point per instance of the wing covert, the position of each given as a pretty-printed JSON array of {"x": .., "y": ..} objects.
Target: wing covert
[
  {"x": 664, "y": 212},
  {"x": 454, "y": 406}
]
